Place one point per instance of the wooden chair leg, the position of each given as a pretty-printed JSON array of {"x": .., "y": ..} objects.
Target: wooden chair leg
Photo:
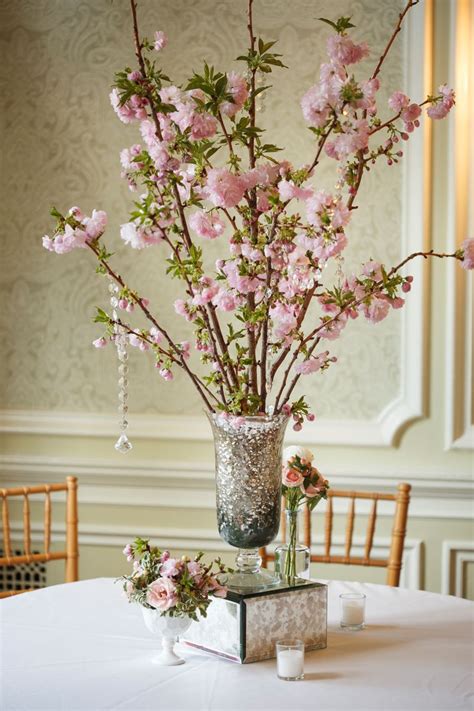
[{"x": 398, "y": 535}]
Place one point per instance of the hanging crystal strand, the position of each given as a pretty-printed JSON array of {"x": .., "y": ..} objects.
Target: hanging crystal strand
[
  {"x": 339, "y": 270},
  {"x": 123, "y": 444}
]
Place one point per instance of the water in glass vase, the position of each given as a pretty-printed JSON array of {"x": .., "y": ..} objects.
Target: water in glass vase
[{"x": 292, "y": 558}]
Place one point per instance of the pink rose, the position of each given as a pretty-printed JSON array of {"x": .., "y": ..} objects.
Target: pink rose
[
  {"x": 161, "y": 594},
  {"x": 292, "y": 478}
]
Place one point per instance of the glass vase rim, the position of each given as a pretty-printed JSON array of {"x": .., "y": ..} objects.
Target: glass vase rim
[{"x": 213, "y": 416}]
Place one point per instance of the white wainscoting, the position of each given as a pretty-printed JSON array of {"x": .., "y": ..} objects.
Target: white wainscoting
[
  {"x": 197, "y": 539},
  {"x": 454, "y": 559},
  {"x": 147, "y": 483}
]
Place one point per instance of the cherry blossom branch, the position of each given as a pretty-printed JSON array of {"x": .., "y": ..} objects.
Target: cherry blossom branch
[
  {"x": 186, "y": 234},
  {"x": 200, "y": 386},
  {"x": 350, "y": 305},
  {"x": 401, "y": 17},
  {"x": 141, "y": 62}
]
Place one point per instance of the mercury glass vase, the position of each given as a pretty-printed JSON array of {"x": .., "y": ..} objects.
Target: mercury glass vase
[
  {"x": 292, "y": 559},
  {"x": 170, "y": 628},
  {"x": 248, "y": 490}
]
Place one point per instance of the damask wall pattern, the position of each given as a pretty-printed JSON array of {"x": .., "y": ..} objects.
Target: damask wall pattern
[{"x": 61, "y": 146}]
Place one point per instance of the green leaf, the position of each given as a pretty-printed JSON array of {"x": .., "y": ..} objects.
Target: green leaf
[{"x": 101, "y": 317}]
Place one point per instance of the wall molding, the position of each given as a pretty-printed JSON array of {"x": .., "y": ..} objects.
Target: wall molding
[
  {"x": 115, "y": 482},
  {"x": 455, "y": 556},
  {"x": 459, "y": 377},
  {"x": 196, "y": 539}
]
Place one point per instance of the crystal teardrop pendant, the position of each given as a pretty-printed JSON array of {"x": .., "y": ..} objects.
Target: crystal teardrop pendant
[{"x": 123, "y": 444}]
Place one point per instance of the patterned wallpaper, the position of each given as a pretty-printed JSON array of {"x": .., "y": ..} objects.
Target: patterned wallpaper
[{"x": 62, "y": 143}]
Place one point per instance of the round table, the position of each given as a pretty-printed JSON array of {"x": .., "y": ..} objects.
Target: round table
[{"x": 83, "y": 646}]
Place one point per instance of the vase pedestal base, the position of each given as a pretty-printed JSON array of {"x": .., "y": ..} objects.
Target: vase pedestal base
[{"x": 246, "y": 582}]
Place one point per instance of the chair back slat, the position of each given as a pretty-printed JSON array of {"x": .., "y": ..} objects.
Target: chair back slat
[
  {"x": 70, "y": 555},
  {"x": 394, "y": 561},
  {"x": 328, "y": 528},
  {"x": 26, "y": 524},
  {"x": 370, "y": 530},
  {"x": 7, "y": 547},
  {"x": 350, "y": 526},
  {"x": 47, "y": 521}
]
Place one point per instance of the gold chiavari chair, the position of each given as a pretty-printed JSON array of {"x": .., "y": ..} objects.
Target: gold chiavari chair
[
  {"x": 70, "y": 555},
  {"x": 394, "y": 561}
]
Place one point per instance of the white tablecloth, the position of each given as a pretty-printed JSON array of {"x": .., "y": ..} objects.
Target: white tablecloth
[{"x": 82, "y": 646}]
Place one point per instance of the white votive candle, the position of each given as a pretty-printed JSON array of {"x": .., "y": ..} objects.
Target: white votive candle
[
  {"x": 290, "y": 659},
  {"x": 353, "y": 610}
]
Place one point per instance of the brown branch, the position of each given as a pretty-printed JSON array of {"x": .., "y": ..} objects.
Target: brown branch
[
  {"x": 141, "y": 62},
  {"x": 401, "y": 17}
]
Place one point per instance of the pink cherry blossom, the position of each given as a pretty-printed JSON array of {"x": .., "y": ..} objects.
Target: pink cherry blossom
[
  {"x": 225, "y": 301},
  {"x": 100, "y": 342},
  {"x": 315, "y": 107},
  {"x": 376, "y": 310},
  {"x": 373, "y": 270},
  {"x": 166, "y": 374},
  {"x": 203, "y": 126},
  {"x": 342, "y": 50},
  {"x": 206, "y": 224},
  {"x": 354, "y": 138},
  {"x": 287, "y": 190},
  {"x": 139, "y": 236},
  {"x": 96, "y": 224},
  {"x": 311, "y": 365},
  {"x": 161, "y": 40},
  {"x": 161, "y": 594},
  {"x": 127, "y": 156},
  {"x": 284, "y": 319},
  {"x": 237, "y": 87},
  {"x": 398, "y": 101},
  {"x": 441, "y": 108},
  {"x": 182, "y": 309},
  {"x": 224, "y": 189},
  {"x": 155, "y": 335},
  {"x": 468, "y": 254}
]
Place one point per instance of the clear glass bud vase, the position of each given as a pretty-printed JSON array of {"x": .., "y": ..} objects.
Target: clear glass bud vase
[{"x": 292, "y": 559}]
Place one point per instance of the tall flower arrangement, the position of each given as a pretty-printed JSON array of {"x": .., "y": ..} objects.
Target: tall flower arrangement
[{"x": 204, "y": 170}]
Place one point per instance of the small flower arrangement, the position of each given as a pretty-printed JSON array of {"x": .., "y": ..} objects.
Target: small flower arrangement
[
  {"x": 175, "y": 587},
  {"x": 302, "y": 484}
]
